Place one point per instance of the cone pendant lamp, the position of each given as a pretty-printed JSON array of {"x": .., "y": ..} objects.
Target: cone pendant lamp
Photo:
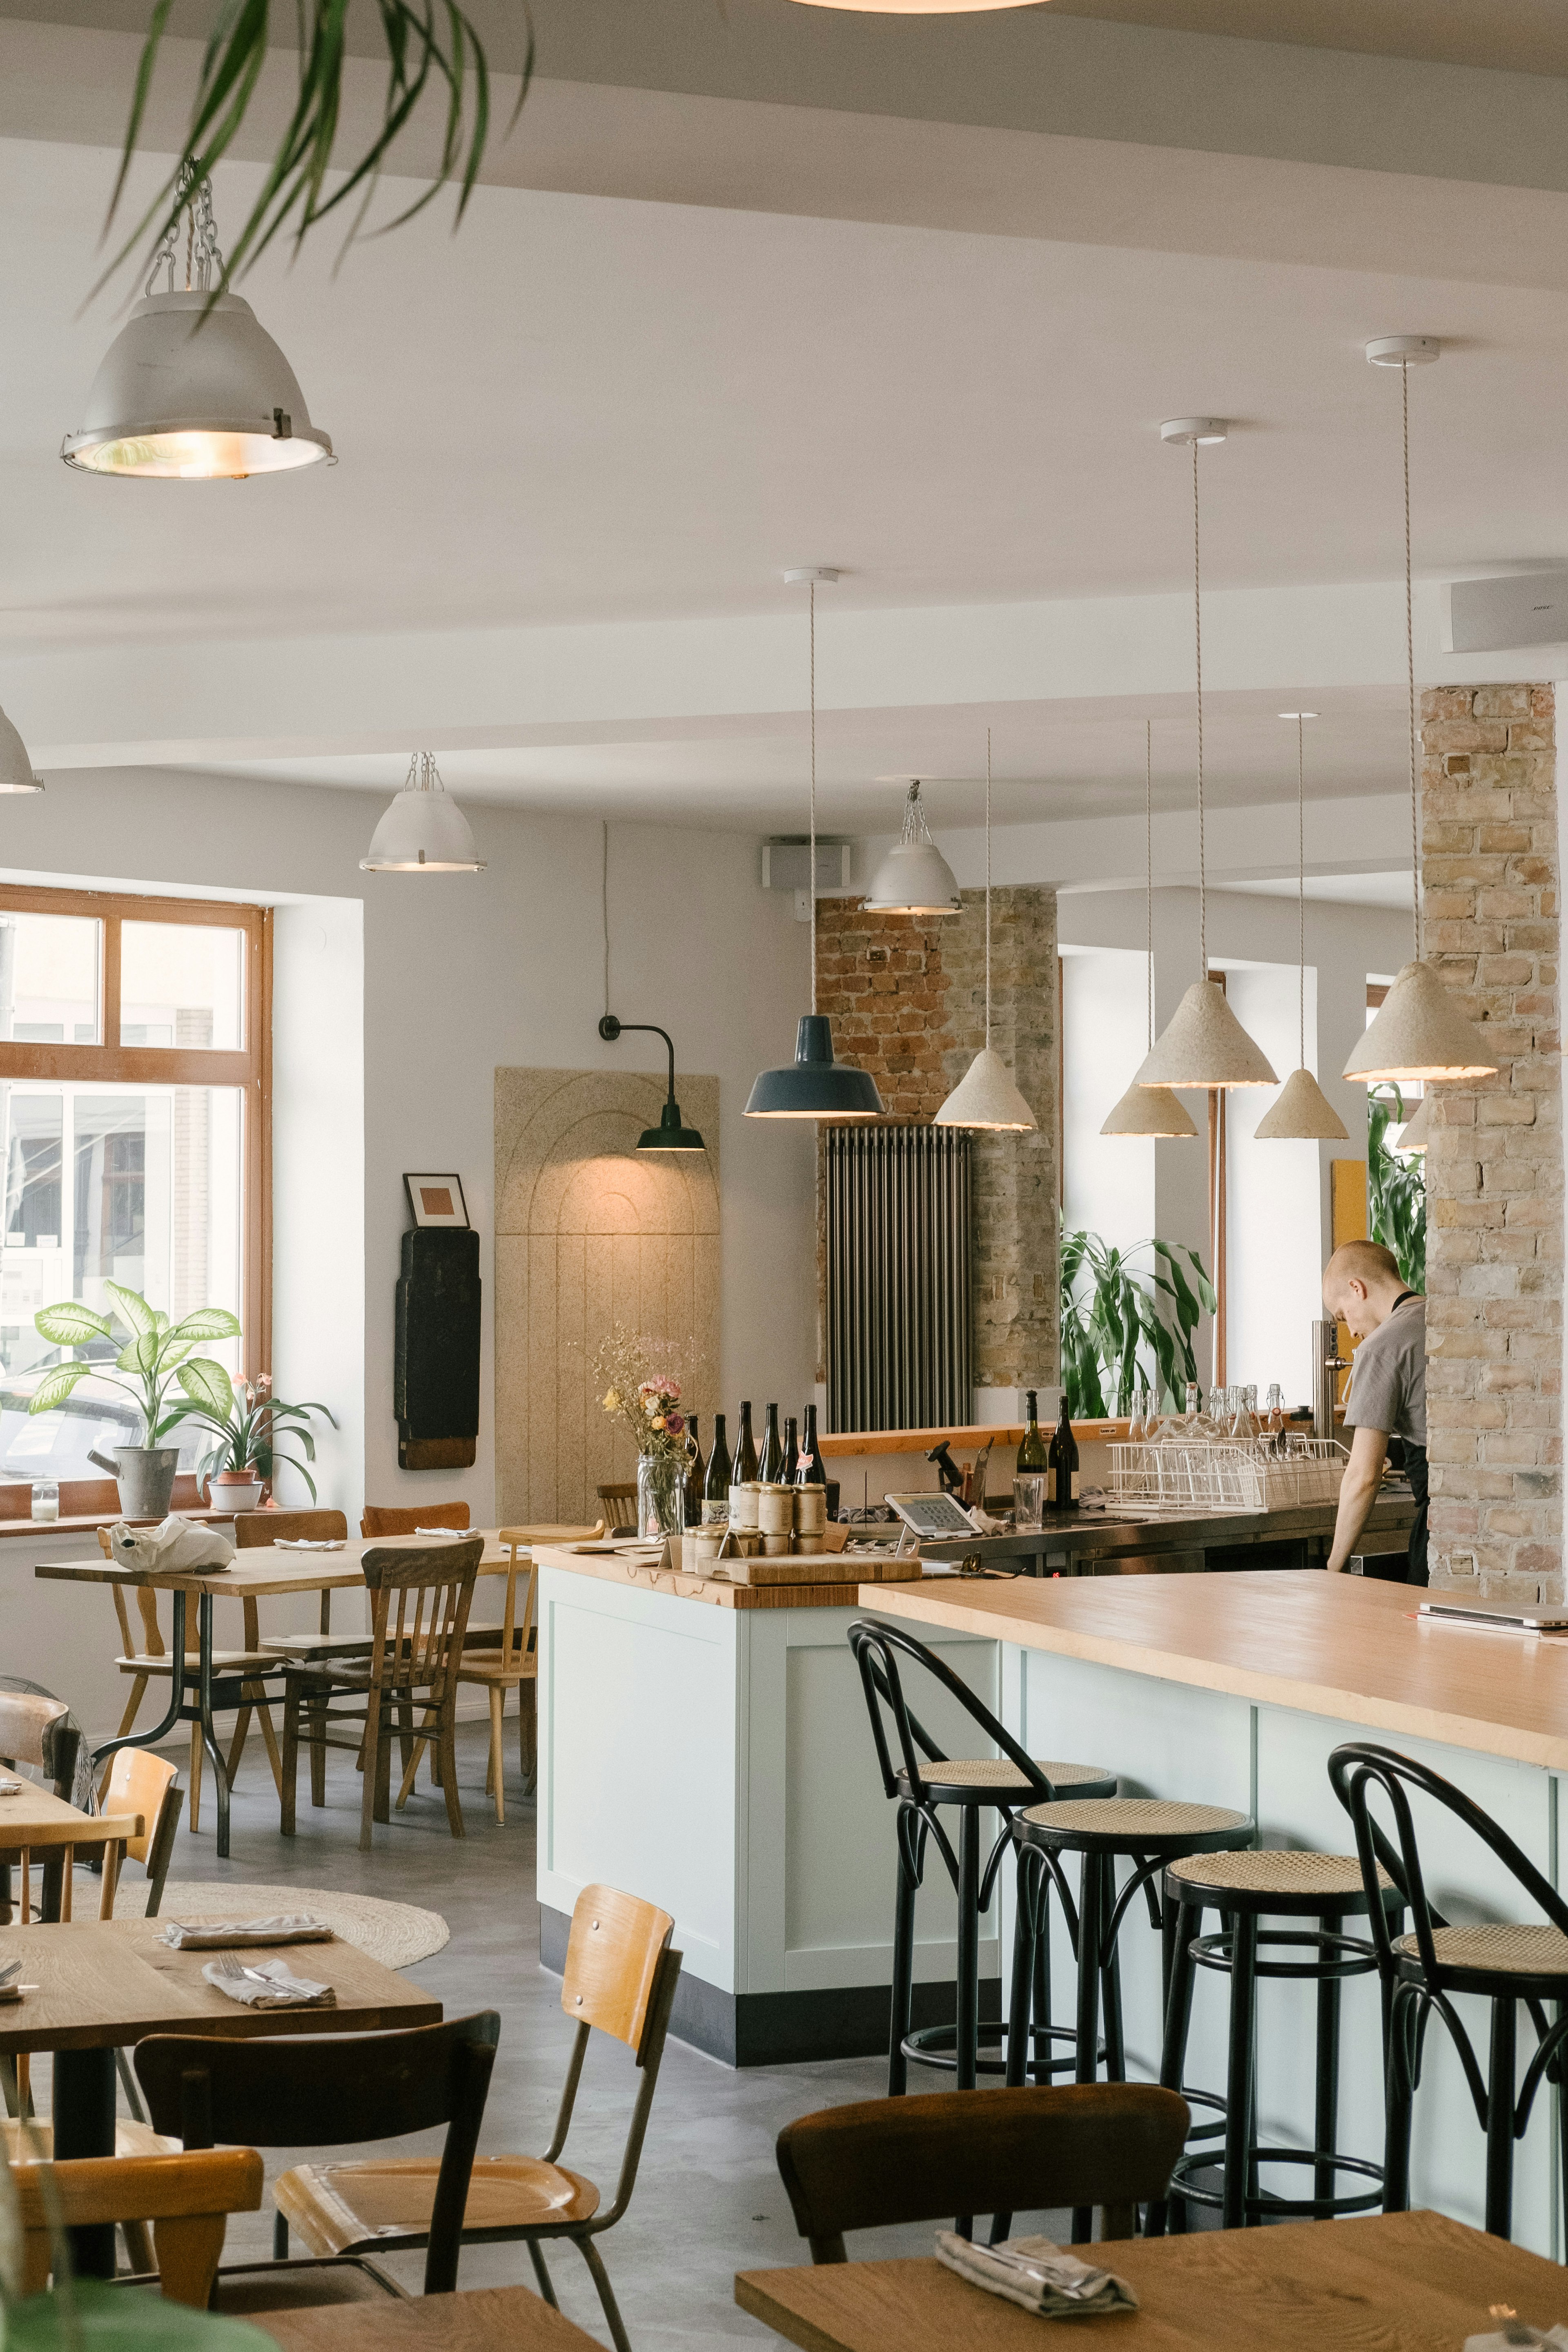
[
  {"x": 814, "y": 1085},
  {"x": 986, "y": 1095},
  {"x": 1413, "y": 1136},
  {"x": 1149, "y": 1110},
  {"x": 1204, "y": 1045},
  {"x": 1303, "y": 1113},
  {"x": 1419, "y": 1031}
]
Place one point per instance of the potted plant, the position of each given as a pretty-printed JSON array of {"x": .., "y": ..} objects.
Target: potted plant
[
  {"x": 252, "y": 1430},
  {"x": 158, "y": 1357}
]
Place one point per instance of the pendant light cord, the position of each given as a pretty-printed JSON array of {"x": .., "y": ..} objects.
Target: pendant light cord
[
  {"x": 604, "y": 901},
  {"x": 1301, "y": 890},
  {"x": 811, "y": 884},
  {"x": 1197, "y": 638},
  {"x": 987, "y": 889},
  {"x": 1149, "y": 862},
  {"x": 1410, "y": 674}
]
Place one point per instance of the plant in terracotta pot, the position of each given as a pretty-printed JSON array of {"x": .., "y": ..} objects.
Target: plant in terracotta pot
[
  {"x": 158, "y": 1359},
  {"x": 255, "y": 1432}
]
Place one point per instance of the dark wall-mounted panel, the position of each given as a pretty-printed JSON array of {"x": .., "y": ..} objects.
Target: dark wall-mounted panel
[{"x": 435, "y": 1368}]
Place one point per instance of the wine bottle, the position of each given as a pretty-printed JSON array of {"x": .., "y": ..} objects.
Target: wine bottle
[
  {"x": 1063, "y": 1463},
  {"x": 716, "y": 1486},
  {"x": 791, "y": 1449},
  {"x": 1032, "y": 1454},
  {"x": 745, "y": 1467},
  {"x": 770, "y": 1461},
  {"x": 697, "y": 1471},
  {"x": 811, "y": 1470}
]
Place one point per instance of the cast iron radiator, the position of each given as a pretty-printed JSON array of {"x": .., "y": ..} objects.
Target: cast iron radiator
[{"x": 899, "y": 1339}]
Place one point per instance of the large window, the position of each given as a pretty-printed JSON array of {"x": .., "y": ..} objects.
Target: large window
[{"x": 135, "y": 1119}]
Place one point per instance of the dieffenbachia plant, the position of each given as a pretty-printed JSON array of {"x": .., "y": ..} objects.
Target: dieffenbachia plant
[{"x": 159, "y": 1358}]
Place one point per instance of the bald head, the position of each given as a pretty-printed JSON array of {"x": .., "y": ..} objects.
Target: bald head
[{"x": 1361, "y": 1284}]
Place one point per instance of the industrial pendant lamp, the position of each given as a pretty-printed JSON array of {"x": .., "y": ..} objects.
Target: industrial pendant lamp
[
  {"x": 672, "y": 1134},
  {"x": 1150, "y": 1111},
  {"x": 814, "y": 1085},
  {"x": 424, "y": 830},
  {"x": 915, "y": 878},
  {"x": 194, "y": 389},
  {"x": 1303, "y": 1113},
  {"x": 1419, "y": 1032},
  {"x": 986, "y": 1095},
  {"x": 1203, "y": 1044},
  {"x": 15, "y": 768}
]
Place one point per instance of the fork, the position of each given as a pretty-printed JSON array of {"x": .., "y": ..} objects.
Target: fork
[{"x": 225, "y": 1964}]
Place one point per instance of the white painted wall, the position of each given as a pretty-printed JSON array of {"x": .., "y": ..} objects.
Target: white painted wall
[
  {"x": 1107, "y": 1180},
  {"x": 1275, "y": 1241}
]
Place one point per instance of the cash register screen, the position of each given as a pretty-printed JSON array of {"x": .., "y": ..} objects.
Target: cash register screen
[{"x": 932, "y": 1517}]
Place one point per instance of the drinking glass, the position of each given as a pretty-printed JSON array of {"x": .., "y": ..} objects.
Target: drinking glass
[
  {"x": 1029, "y": 1501},
  {"x": 45, "y": 1499}
]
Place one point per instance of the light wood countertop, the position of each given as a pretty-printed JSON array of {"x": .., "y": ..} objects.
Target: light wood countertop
[{"x": 1330, "y": 1646}]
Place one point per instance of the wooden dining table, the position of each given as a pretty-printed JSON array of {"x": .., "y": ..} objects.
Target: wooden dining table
[
  {"x": 96, "y": 1987},
  {"x": 487, "y": 2319},
  {"x": 262, "y": 1571},
  {"x": 1397, "y": 2282},
  {"x": 34, "y": 1821}
]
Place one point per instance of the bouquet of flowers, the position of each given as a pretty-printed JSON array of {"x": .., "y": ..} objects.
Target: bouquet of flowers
[{"x": 646, "y": 1400}]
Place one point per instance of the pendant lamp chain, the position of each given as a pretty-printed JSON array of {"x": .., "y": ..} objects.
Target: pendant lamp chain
[
  {"x": 1301, "y": 891},
  {"x": 1198, "y": 637},
  {"x": 811, "y": 884},
  {"x": 1411, "y": 676},
  {"x": 987, "y": 889}
]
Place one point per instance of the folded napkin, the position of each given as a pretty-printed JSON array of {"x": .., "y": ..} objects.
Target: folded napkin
[
  {"x": 455, "y": 1535},
  {"x": 272, "y": 1984},
  {"x": 215, "y": 1935},
  {"x": 1037, "y": 2274},
  {"x": 308, "y": 1543},
  {"x": 176, "y": 1543}
]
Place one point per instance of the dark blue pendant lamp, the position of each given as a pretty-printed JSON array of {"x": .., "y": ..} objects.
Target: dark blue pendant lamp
[
  {"x": 813, "y": 1086},
  {"x": 672, "y": 1134}
]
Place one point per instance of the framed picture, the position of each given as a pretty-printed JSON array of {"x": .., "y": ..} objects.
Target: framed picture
[{"x": 436, "y": 1200}]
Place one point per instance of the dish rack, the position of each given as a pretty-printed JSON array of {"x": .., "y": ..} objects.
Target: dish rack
[{"x": 1221, "y": 1478}]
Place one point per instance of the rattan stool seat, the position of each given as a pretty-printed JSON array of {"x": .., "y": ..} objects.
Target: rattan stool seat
[
  {"x": 1527, "y": 1951},
  {"x": 1133, "y": 1825},
  {"x": 1274, "y": 1879},
  {"x": 960, "y": 1778}
]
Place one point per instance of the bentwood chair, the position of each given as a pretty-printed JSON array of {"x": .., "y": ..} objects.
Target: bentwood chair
[
  {"x": 918, "y": 1776},
  {"x": 1506, "y": 1964},
  {"x": 315, "y": 2091},
  {"x": 619, "y": 1978},
  {"x": 880, "y": 2161},
  {"x": 419, "y": 1613},
  {"x": 187, "y": 2200}
]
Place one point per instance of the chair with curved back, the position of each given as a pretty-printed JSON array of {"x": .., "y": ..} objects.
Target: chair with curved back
[
  {"x": 1505, "y": 1963},
  {"x": 512, "y": 1664},
  {"x": 920, "y": 1778}
]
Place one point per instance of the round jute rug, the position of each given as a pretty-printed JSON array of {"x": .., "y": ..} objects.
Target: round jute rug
[{"x": 394, "y": 1933}]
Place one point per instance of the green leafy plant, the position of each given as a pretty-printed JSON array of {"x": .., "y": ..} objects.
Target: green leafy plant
[
  {"x": 1114, "y": 1320},
  {"x": 256, "y": 1430},
  {"x": 157, "y": 1358},
  {"x": 1395, "y": 1187}
]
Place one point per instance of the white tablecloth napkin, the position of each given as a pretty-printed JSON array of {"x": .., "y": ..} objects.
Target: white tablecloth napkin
[{"x": 1038, "y": 2274}]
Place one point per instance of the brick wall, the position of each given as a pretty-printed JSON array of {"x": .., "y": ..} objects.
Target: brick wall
[
  {"x": 908, "y": 1002},
  {"x": 1494, "y": 1168}
]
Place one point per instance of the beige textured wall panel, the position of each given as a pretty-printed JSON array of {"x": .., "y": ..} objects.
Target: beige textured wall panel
[{"x": 589, "y": 1234}]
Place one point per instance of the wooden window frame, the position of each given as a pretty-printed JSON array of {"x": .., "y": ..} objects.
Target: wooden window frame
[{"x": 249, "y": 1070}]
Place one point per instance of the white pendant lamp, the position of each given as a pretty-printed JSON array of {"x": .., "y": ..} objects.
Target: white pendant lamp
[
  {"x": 985, "y": 1096},
  {"x": 193, "y": 388},
  {"x": 814, "y": 1085},
  {"x": 1419, "y": 1030},
  {"x": 1149, "y": 1110},
  {"x": 1203, "y": 1044},
  {"x": 424, "y": 831},
  {"x": 1303, "y": 1113},
  {"x": 915, "y": 878},
  {"x": 15, "y": 768},
  {"x": 1415, "y": 1135}
]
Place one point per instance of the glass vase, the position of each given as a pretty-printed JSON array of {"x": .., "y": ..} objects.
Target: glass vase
[{"x": 662, "y": 1496}]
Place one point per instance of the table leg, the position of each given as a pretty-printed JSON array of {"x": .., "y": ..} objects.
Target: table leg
[
  {"x": 205, "y": 1711},
  {"x": 84, "y": 2126},
  {"x": 176, "y": 1695}
]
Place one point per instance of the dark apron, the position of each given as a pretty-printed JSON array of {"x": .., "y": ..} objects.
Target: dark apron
[{"x": 1416, "y": 1471}]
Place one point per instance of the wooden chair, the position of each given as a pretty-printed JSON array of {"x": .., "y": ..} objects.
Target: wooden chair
[
  {"x": 36, "y": 1730},
  {"x": 152, "y": 1662},
  {"x": 187, "y": 2198},
  {"x": 611, "y": 1496},
  {"x": 879, "y": 2161},
  {"x": 514, "y": 1663},
  {"x": 317, "y": 2091},
  {"x": 393, "y": 1519},
  {"x": 619, "y": 1978},
  {"x": 414, "y": 1653}
]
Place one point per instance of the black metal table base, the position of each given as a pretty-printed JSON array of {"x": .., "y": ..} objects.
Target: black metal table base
[{"x": 228, "y": 1692}]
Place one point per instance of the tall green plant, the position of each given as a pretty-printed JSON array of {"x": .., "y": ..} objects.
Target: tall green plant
[
  {"x": 157, "y": 1358},
  {"x": 1395, "y": 1187},
  {"x": 1114, "y": 1321}
]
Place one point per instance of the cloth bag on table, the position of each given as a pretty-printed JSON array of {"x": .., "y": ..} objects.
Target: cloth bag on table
[{"x": 174, "y": 1543}]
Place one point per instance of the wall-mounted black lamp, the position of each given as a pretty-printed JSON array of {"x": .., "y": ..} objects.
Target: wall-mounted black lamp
[{"x": 670, "y": 1135}]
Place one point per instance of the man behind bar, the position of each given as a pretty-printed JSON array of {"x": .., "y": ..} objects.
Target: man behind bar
[{"x": 1388, "y": 1398}]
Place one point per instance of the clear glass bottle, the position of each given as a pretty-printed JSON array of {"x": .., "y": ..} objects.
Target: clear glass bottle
[{"x": 1274, "y": 1417}]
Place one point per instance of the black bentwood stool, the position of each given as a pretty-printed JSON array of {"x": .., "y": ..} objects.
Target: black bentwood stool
[
  {"x": 1421, "y": 1971},
  {"x": 1147, "y": 1831},
  {"x": 1322, "y": 1888},
  {"x": 916, "y": 1773}
]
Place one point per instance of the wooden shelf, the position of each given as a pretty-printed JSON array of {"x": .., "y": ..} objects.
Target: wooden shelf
[{"x": 922, "y": 1441}]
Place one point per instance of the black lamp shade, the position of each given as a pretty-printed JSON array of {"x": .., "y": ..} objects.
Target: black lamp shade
[
  {"x": 814, "y": 1085},
  {"x": 670, "y": 1135}
]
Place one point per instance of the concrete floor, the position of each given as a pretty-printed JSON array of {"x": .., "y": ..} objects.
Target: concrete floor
[{"x": 708, "y": 2200}]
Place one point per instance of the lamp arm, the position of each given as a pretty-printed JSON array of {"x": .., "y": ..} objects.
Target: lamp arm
[{"x": 610, "y": 1029}]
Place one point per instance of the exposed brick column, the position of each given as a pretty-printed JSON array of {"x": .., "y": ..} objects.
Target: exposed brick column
[
  {"x": 908, "y": 1004},
  {"x": 1494, "y": 1169}
]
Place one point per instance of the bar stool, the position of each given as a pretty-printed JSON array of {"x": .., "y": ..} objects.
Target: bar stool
[
  {"x": 1147, "y": 1831},
  {"x": 1243, "y": 1888},
  {"x": 920, "y": 1778},
  {"x": 1506, "y": 1964}
]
